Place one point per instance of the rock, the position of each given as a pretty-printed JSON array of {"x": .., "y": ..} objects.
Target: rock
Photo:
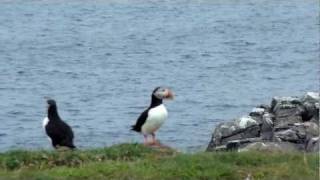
[
  {"x": 289, "y": 124},
  {"x": 267, "y": 127},
  {"x": 311, "y": 97},
  {"x": 310, "y": 110},
  {"x": 237, "y": 144},
  {"x": 222, "y": 130},
  {"x": 234, "y": 144},
  {"x": 272, "y": 146},
  {"x": 286, "y": 117},
  {"x": 297, "y": 133},
  {"x": 284, "y": 101},
  {"x": 245, "y": 122},
  {"x": 311, "y": 104},
  {"x": 312, "y": 129},
  {"x": 287, "y": 111},
  {"x": 217, "y": 148},
  {"x": 245, "y": 127},
  {"x": 257, "y": 113},
  {"x": 288, "y": 135},
  {"x": 249, "y": 132},
  {"x": 266, "y": 107},
  {"x": 313, "y": 145},
  {"x": 315, "y": 118}
]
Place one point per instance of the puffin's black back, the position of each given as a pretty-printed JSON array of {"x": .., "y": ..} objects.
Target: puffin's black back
[
  {"x": 140, "y": 121},
  {"x": 59, "y": 132}
]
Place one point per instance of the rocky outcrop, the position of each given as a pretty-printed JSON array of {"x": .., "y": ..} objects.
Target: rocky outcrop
[{"x": 288, "y": 124}]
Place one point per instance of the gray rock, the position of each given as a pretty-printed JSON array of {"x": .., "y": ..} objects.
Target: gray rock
[
  {"x": 257, "y": 113},
  {"x": 272, "y": 146},
  {"x": 287, "y": 111},
  {"x": 296, "y": 133},
  {"x": 312, "y": 129},
  {"x": 310, "y": 111},
  {"x": 313, "y": 145},
  {"x": 286, "y": 117},
  {"x": 284, "y": 102},
  {"x": 311, "y": 97},
  {"x": 266, "y": 107},
  {"x": 311, "y": 103},
  {"x": 221, "y": 130},
  {"x": 289, "y": 124},
  {"x": 237, "y": 144},
  {"x": 288, "y": 135},
  {"x": 245, "y": 121},
  {"x": 300, "y": 132},
  {"x": 249, "y": 132},
  {"x": 217, "y": 148},
  {"x": 234, "y": 144},
  {"x": 316, "y": 116},
  {"x": 245, "y": 127},
  {"x": 267, "y": 127}
]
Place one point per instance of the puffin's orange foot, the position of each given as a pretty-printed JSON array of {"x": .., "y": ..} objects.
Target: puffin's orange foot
[
  {"x": 156, "y": 142},
  {"x": 148, "y": 143}
]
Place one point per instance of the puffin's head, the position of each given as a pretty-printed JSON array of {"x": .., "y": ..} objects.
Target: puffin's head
[
  {"x": 163, "y": 93},
  {"x": 51, "y": 103}
]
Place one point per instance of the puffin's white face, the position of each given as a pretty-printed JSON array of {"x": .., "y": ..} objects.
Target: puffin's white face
[{"x": 163, "y": 93}]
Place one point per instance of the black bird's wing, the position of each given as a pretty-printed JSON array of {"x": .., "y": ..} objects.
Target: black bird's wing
[
  {"x": 66, "y": 129},
  {"x": 60, "y": 133},
  {"x": 140, "y": 121}
]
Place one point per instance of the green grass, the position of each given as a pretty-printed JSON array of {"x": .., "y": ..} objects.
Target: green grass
[{"x": 134, "y": 161}]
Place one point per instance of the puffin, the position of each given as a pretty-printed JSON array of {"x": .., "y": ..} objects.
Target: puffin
[
  {"x": 60, "y": 133},
  {"x": 154, "y": 116}
]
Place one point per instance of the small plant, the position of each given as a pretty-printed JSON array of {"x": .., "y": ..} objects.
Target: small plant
[{"x": 12, "y": 163}]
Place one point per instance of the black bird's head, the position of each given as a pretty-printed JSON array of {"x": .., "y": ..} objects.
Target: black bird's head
[
  {"x": 52, "y": 109},
  {"x": 162, "y": 93},
  {"x": 51, "y": 103}
]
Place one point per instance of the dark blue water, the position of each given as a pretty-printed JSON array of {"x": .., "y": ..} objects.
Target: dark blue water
[{"x": 101, "y": 59}]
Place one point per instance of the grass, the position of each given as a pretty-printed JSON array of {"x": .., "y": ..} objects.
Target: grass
[{"x": 134, "y": 161}]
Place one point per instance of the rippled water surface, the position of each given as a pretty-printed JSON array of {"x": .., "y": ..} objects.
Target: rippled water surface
[{"x": 101, "y": 59}]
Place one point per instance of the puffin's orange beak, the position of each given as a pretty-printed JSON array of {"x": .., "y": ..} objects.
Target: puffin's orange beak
[{"x": 169, "y": 94}]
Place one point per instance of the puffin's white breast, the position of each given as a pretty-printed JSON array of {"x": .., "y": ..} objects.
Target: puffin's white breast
[
  {"x": 45, "y": 122},
  {"x": 156, "y": 117}
]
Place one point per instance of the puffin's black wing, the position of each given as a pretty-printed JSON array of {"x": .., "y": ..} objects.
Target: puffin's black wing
[
  {"x": 60, "y": 133},
  {"x": 140, "y": 121}
]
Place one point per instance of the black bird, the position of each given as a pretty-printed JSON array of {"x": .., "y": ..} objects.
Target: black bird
[
  {"x": 59, "y": 132},
  {"x": 154, "y": 116}
]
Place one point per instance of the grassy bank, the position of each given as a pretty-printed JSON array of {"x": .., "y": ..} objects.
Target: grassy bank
[{"x": 133, "y": 161}]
